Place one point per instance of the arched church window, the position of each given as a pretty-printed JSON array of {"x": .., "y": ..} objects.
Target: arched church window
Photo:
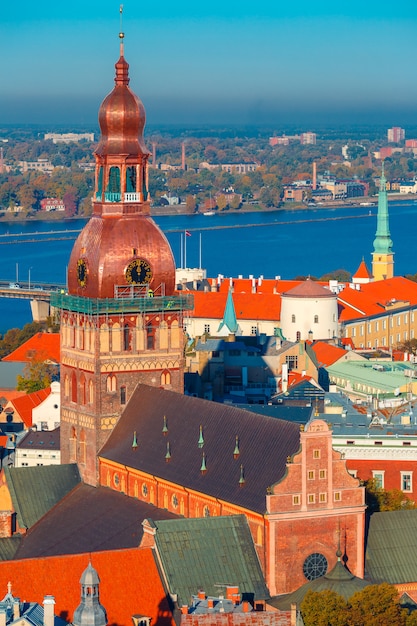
[
  {"x": 111, "y": 383},
  {"x": 150, "y": 337},
  {"x": 90, "y": 392},
  {"x": 123, "y": 394},
  {"x": 315, "y": 566},
  {"x": 127, "y": 338},
  {"x": 83, "y": 390},
  {"x": 66, "y": 386}
]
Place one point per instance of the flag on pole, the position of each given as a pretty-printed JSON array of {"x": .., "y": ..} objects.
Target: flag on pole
[{"x": 187, "y": 233}]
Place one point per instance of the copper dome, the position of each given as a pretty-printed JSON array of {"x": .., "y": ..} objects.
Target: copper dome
[
  {"x": 106, "y": 248},
  {"x": 122, "y": 118}
]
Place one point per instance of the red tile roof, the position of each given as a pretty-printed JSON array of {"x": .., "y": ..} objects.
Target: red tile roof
[
  {"x": 259, "y": 306},
  {"x": 129, "y": 583},
  {"x": 309, "y": 289},
  {"x": 45, "y": 344},
  {"x": 373, "y": 298},
  {"x": 362, "y": 271},
  {"x": 326, "y": 353},
  {"x": 24, "y": 405}
]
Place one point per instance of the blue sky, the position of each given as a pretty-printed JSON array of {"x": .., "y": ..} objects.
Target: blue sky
[{"x": 273, "y": 62}]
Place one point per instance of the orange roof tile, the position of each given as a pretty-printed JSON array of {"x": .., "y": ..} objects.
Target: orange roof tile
[
  {"x": 260, "y": 306},
  {"x": 25, "y": 404},
  {"x": 372, "y": 298},
  {"x": 47, "y": 344},
  {"x": 326, "y": 353},
  {"x": 129, "y": 583}
]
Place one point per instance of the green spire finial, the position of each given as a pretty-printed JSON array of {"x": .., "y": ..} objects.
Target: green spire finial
[
  {"x": 236, "y": 451},
  {"x": 135, "y": 441},
  {"x": 165, "y": 427},
  {"x": 201, "y": 438},
  {"x": 168, "y": 453},
  {"x": 242, "y": 477},
  {"x": 203, "y": 468}
]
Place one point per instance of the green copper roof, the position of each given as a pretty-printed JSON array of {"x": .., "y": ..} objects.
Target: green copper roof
[
  {"x": 391, "y": 551},
  {"x": 35, "y": 490},
  {"x": 229, "y": 317},
  {"x": 212, "y": 551},
  {"x": 383, "y": 241}
]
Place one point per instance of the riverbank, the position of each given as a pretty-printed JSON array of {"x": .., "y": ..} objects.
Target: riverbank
[{"x": 181, "y": 209}]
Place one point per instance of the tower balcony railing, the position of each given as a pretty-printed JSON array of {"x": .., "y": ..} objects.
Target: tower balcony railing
[
  {"x": 116, "y": 196},
  {"x": 145, "y": 304}
]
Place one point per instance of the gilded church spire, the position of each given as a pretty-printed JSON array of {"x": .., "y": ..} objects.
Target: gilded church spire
[{"x": 382, "y": 256}]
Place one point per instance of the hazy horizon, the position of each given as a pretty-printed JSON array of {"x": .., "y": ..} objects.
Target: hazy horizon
[{"x": 233, "y": 62}]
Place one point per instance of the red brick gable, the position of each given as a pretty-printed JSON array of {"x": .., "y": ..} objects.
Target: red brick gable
[
  {"x": 129, "y": 583},
  {"x": 47, "y": 344}
]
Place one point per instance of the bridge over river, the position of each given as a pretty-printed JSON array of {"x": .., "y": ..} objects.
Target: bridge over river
[{"x": 39, "y": 295}]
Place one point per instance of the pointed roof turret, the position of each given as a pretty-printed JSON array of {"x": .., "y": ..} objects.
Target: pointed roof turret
[
  {"x": 229, "y": 322},
  {"x": 363, "y": 274}
]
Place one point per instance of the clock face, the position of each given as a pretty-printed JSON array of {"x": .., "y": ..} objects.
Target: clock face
[
  {"x": 138, "y": 272},
  {"x": 82, "y": 272}
]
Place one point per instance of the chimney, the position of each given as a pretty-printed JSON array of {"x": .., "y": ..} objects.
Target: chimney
[
  {"x": 48, "y": 611},
  {"x": 246, "y": 607},
  {"x": 232, "y": 593},
  {"x": 293, "y": 614},
  {"x": 184, "y": 609},
  {"x": 210, "y": 603},
  {"x": 201, "y": 594},
  {"x": 183, "y": 166}
]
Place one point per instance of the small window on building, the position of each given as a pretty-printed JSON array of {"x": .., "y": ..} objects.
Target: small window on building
[
  {"x": 311, "y": 498},
  {"x": 323, "y": 497},
  {"x": 379, "y": 479},
  {"x": 311, "y": 475},
  {"x": 337, "y": 496},
  {"x": 322, "y": 473},
  {"x": 122, "y": 394},
  {"x": 316, "y": 319},
  {"x": 293, "y": 319},
  {"x": 406, "y": 482},
  {"x": 254, "y": 330},
  {"x": 206, "y": 329},
  {"x": 316, "y": 454},
  {"x": 296, "y": 500}
]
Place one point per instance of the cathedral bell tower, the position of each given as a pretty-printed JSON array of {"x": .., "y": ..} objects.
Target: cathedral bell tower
[
  {"x": 382, "y": 256},
  {"x": 121, "y": 320}
]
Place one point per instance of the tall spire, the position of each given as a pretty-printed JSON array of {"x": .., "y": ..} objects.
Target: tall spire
[
  {"x": 229, "y": 323},
  {"x": 382, "y": 256}
]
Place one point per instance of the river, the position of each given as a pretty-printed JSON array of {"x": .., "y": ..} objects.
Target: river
[{"x": 275, "y": 243}]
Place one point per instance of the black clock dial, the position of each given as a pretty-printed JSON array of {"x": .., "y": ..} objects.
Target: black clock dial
[
  {"x": 138, "y": 272},
  {"x": 82, "y": 272}
]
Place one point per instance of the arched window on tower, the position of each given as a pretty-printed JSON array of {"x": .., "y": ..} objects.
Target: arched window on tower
[
  {"x": 150, "y": 337},
  {"x": 127, "y": 338},
  {"x": 165, "y": 378},
  {"x": 73, "y": 387},
  {"x": 293, "y": 319},
  {"x": 73, "y": 446},
  {"x": 83, "y": 390},
  {"x": 100, "y": 183},
  {"x": 123, "y": 394},
  {"x": 90, "y": 392},
  {"x": 66, "y": 386},
  {"x": 83, "y": 447},
  {"x": 111, "y": 383},
  {"x": 113, "y": 188},
  {"x": 130, "y": 179}
]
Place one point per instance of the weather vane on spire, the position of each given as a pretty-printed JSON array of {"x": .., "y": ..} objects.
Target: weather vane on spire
[{"x": 121, "y": 33}]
